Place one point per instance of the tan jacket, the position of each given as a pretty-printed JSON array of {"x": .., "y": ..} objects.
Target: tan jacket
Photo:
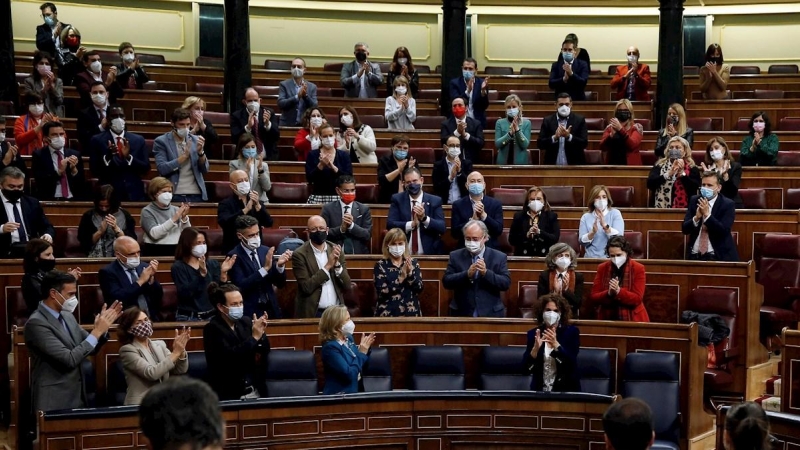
[
  {"x": 310, "y": 278},
  {"x": 144, "y": 369}
]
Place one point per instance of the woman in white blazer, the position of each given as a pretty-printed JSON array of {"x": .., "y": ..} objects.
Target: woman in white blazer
[
  {"x": 355, "y": 137},
  {"x": 146, "y": 362}
]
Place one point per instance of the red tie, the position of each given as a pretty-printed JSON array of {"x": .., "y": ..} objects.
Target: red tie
[
  {"x": 414, "y": 240},
  {"x": 120, "y": 146},
  {"x": 702, "y": 246},
  {"x": 64, "y": 184}
]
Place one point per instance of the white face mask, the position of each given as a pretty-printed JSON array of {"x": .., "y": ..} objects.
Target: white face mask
[
  {"x": 165, "y": 198},
  {"x": 397, "y": 250},
  {"x": 619, "y": 260},
  {"x": 316, "y": 121},
  {"x": 36, "y": 110},
  {"x": 132, "y": 262},
  {"x": 253, "y": 106},
  {"x": 199, "y": 250},
  {"x": 473, "y": 246},
  {"x": 716, "y": 155},
  {"x": 243, "y": 188},
  {"x": 253, "y": 242},
  {"x": 454, "y": 151},
  {"x": 182, "y": 132},
  {"x": 2, "y": 137},
  {"x": 563, "y": 111},
  {"x": 632, "y": 58},
  {"x": 346, "y": 120},
  {"x": 128, "y": 58},
  {"x": 401, "y": 90},
  {"x": 563, "y": 262},
  {"x": 551, "y": 318},
  {"x": 96, "y": 66},
  {"x": 118, "y": 125},
  {"x": 69, "y": 304},
  {"x": 329, "y": 141},
  {"x": 402, "y": 61},
  {"x": 348, "y": 328},
  {"x": 535, "y": 205},
  {"x": 99, "y": 99},
  {"x": 601, "y": 204},
  {"x": 57, "y": 142},
  {"x": 297, "y": 72}
]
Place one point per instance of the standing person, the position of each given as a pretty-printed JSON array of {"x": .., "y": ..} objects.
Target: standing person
[
  {"x": 100, "y": 226},
  {"x": 349, "y": 221},
  {"x": 130, "y": 282},
  {"x": 307, "y": 137},
  {"x": 708, "y": 222},
  {"x": 199, "y": 125},
  {"x": 569, "y": 74},
  {"x": 162, "y": 222},
  {"x": 354, "y": 137},
  {"x": 361, "y": 78},
  {"x": 561, "y": 278},
  {"x": 243, "y": 202},
  {"x": 632, "y": 80},
  {"x": 69, "y": 56},
  {"x": 622, "y": 137},
  {"x": 193, "y": 272},
  {"x": 93, "y": 73},
  {"x": 58, "y": 345},
  {"x": 21, "y": 216},
  {"x": 58, "y": 170},
  {"x": 36, "y": 263},
  {"x": 259, "y": 121},
  {"x": 477, "y": 206},
  {"x": 536, "y": 228},
  {"x": 418, "y": 213},
  {"x": 563, "y": 135},
  {"x": 473, "y": 91},
  {"x": 398, "y": 279},
  {"x": 324, "y": 166},
  {"x": 714, "y": 75},
  {"x": 600, "y": 223},
  {"x": 401, "y": 108},
  {"x": 718, "y": 159},
  {"x": 675, "y": 177},
  {"x": 553, "y": 346},
  {"x": 628, "y": 425},
  {"x": 181, "y": 158},
  {"x": 341, "y": 359},
  {"x": 619, "y": 285},
  {"x": 512, "y": 134},
  {"x": 675, "y": 126},
  {"x": 469, "y": 131},
  {"x": 450, "y": 172},
  {"x": 119, "y": 158},
  {"x": 43, "y": 81},
  {"x": 580, "y": 52},
  {"x": 402, "y": 66},
  {"x": 94, "y": 119},
  {"x": 28, "y": 126},
  {"x": 296, "y": 95},
  {"x": 130, "y": 73},
  {"x": 391, "y": 168},
  {"x": 760, "y": 146},
  {"x": 48, "y": 34},
  {"x": 253, "y": 165}
]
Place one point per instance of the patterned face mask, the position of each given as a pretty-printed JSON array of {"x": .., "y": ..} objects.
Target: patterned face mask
[{"x": 143, "y": 330}]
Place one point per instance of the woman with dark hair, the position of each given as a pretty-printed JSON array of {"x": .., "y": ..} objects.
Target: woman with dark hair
[
  {"x": 307, "y": 137},
  {"x": 714, "y": 76},
  {"x": 354, "y": 137},
  {"x": 746, "y": 428},
  {"x": 38, "y": 260},
  {"x": 324, "y": 166},
  {"x": 43, "y": 82},
  {"x": 619, "y": 285},
  {"x": 718, "y": 159},
  {"x": 147, "y": 362},
  {"x": 28, "y": 127},
  {"x": 561, "y": 278},
  {"x": 553, "y": 346},
  {"x": 760, "y": 146},
  {"x": 402, "y": 66},
  {"x": 253, "y": 164},
  {"x": 101, "y": 226},
  {"x": 534, "y": 229}
]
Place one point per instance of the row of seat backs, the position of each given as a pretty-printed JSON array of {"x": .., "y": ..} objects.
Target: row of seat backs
[{"x": 779, "y": 274}]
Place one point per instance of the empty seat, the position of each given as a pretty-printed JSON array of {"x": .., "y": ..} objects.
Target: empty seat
[
  {"x": 637, "y": 243},
  {"x": 691, "y": 70},
  {"x": 218, "y": 190},
  {"x": 723, "y": 302},
  {"x": 502, "y": 369},
  {"x": 560, "y": 195},
  {"x": 526, "y": 95},
  {"x": 534, "y": 71},
  {"x": 593, "y": 157},
  {"x": 267, "y": 90},
  {"x": 792, "y": 197},
  {"x": 422, "y": 68},
  {"x": 429, "y": 122},
  {"x": 291, "y": 373},
  {"x": 150, "y": 58},
  {"x": 591, "y": 96},
  {"x": 789, "y": 124},
  {"x": 164, "y": 86},
  {"x": 91, "y": 301},
  {"x": 217, "y": 118},
  {"x": 169, "y": 303},
  {"x": 428, "y": 94},
  {"x": 324, "y": 91},
  {"x": 528, "y": 295},
  {"x": 422, "y": 155},
  {"x": 209, "y": 87},
  {"x": 373, "y": 120},
  {"x": 595, "y": 123},
  {"x": 745, "y": 70},
  {"x": 384, "y": 66},
  {"x": 622, "y": 195},
  {"x": 214, "y": 241},
  {"x": 72, "y": 246},
  {"x": 754, "y": 198},
  {"x": 437, "y": 368},
  {"x": 272, "y": 237},
  {"x": 645, "y": 123},
  {"x": 495, "y": 70},
  {"x": 277, "y": 64},
  {"x": 594, "y": 369},
  {"x": 503, "y": 245},
  {"x": 570, "y": 237},
  {"x": 700, "y": 123},
  {"x": 289, "y": 192},
  {"x": 780, "y": 277},
  {"x": 332, "y": 67},
  {"x": 743, "y": 124},
  {"x": 655, "y": 379},
  {"x": 782, "y": 68},
  {"x": 89, "y": 382},
  {"x": 367, "y": 193},
  {"x": 612, "y": 69},
  {"x": 376, "y": 374},
  {"x": 768, "y": 93},
  {"x": 508, "y": 196},
  {"x": 198, "y": 367}
]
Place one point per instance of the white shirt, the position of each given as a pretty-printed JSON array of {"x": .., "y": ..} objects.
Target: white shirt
[
  {"x": 349, "y": 211},
  {"x": 261, "y": 271},
  {"x": 468, "y": 91},
  {"x": 454, "y": 193},
  {"x": 10, "y": 214},
  {"x": 328, "y": 296},
  {"x": 458, "y": 121},
  {"x": 696, "y": 245},
  {"x": 418, "y": 200},
  {"x": 54, "y": 155}
]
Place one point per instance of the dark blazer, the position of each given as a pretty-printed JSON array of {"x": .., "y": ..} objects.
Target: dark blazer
[
  {"x": 269, "y": 138},
  {"x": 209, "y": 134},
  {"x": 36, "y": 223},
  {"x": 289, "y": 103},
  {"x": 323, "y": 181},
  {"x": 441, "y": 178},
  {"x": 462, "y": 213},
  {"x": 539, "y": 245},
  {"x": 32, "y": 289},
  {"x": 387, "y": 164},
  {"x": 566, "y": 357},
  {"x": 719, "y": 225},
  {"x": 124, "y": 74},
  {"x": 575, "y": 298},
  {"x": 360, "y": 234},
  {"x": 86, "y": 229},
  {"x": 310, "y": 278},
  {"x": 730, "y": 188},
  {"x": 575, "y": 85},
  {"x": 116, "y": 285},
  {"x": 342, "y": 367},
  {"x": 47, "y": 178},
  {"x": 458, "y": 89},
  {"x": 83, "y": 83},
  {"x": 89, "y": 126},
  {"x": 353, "y": 87},
  {"x": 470, "y": 148},
  {"x": 227, "y": 212},
  {"x": 258, "y": 293},
  {"x": 125, "y": 175},
  {"x": 44, "y": 38},
  {"x": 583, "y": 55},
  {"x": 574, "y": 148},
  {"x": 232, "y": 355},
  {"x": 482, "y": 294},
  {"x": 400, "y": 213},
  {"x": 690, "y": 182},
  {"x": 16, "y": 161}
]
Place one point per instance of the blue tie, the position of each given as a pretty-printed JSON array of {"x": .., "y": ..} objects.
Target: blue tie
[
  {"x": 22, "y": 231},
  {"x": 475, "y": 259}
]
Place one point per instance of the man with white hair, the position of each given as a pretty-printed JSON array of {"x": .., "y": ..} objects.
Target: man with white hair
[{"x": 361, "y": 78}]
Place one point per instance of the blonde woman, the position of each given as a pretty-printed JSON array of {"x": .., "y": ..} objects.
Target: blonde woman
[
  {"x": 675, "y": 125},
  {"x": 512, "y": 134},
  {"x": 199, "y": 125},
  {"x": 342, "y": 360},
  {"x": 622, "y": 138},
  {"x": 401, "y": 109},
  {"x": 398, "y": 279},
  {"x": 674, "y": 178}
]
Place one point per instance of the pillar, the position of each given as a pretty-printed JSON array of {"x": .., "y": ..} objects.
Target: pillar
[
  {"x": 8, "y": 82},
  {"x": 454, "y": 38},
  {"x": 238, "y": 76},
  {"x": 670, "y": 58}
]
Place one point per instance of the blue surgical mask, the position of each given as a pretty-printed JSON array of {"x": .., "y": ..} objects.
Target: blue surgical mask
[
  {"x": 568, "y": 56},
  {"x": 235, "y": 312},
  {"x": 50, "y": 21},
  {"x": 400, "y": 154},
  {"x": 707, "y": 193},
  {"x": 476, "y": 188},
  {"x": 468, "y": 74},
  {"x": 249, "y": 152}
]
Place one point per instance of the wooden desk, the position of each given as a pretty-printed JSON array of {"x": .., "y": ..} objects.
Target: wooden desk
[
  {"x": 790, "y": 372},
  {"x": 732, "y": 110}
]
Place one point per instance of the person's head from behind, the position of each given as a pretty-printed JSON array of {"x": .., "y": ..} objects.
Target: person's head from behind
[
  {"x": 12, "y": 182},
  {"x": 572, "y": 37},
  {"x": 628, "y": 425},
  {"x": 335, "y": 324},
  {"x": 746, "y": 428},
  {"x": 182, "y": 414},
  {"x": 227, "y": 300},
  {"x": 59, "y": 290},
  {"x": 38, "y": 256}
]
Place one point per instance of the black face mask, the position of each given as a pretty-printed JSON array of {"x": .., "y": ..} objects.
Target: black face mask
[
  {"x": 361, "y": 56},
  {"x": 714, "y": 60},
  {"x": 318, "y": 237},
  {"x": 622, "y": 116},
  {"x": 12, "y": 194},
  {"x": 47, "y": 265}
]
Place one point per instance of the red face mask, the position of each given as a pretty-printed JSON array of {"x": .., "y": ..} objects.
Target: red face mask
[
  {"x": 459, "y": 110},
  {"x": 72, "y": 41},
  {"x": 348, "y": 197}
]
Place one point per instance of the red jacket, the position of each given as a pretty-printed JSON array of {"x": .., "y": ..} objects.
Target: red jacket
[
  {"x": 302, "y": 146},
  {"x": 627, "y": 304},
  {"x": 627, "y": 141},
  {"x": 620, "y": 82}
]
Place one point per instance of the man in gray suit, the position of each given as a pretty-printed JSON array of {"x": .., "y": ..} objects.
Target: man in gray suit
[
  {"x": 58, "y": 345},
  {"x": 180, "y": 158},
  {"x": 361, "y": 78},
  {"x": 296, "y": 95},
  {"x": 350, "y": 221}
]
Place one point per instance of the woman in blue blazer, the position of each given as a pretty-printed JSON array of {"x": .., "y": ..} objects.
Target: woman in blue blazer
[
  {"x": 512, "y": 134},
  {"x": 552, "y": 352},
  {"x": 342, "y": 360}
]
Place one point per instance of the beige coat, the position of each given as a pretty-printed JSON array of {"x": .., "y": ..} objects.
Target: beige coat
[{"x": 143, "y": 369}]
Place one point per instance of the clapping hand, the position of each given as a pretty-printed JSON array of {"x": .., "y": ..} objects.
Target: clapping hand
[
  {"x": 757, "y": 137},
  {"x": 347, "y": 220},
  {"x": 259, "y": 325},
  {"x": 181, "y": 340},
  {"x": 481, "y": 266},
  {"x": 485, "y": 84},
  {"x": 266, "y": 115},
  {"x": 10, "y": 155},
  {"x": 550, "y": 337},
  {"x": 710, "y": 65},
  {"x": 106, "y": 318},
  {"x": 284, "y": 258},
  {"x": 632, "y": 71},
  {"x": 478, "y": 210},
  {"x": 76, "y": 272},
  {"x": 615, "y": 124},
  {"x": 227, "y": 264},
  {"x": 268, "y": 258},
  {"x": 537, "y": 344},
  {"x": 613, "y": 286},
  {"x": 366, "y": 342}
]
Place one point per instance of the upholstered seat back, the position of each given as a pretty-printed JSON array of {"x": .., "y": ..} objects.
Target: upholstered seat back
[
  {"x": 291, "y": 373},
  {"x": 502, "y": 369},
  {"x": 377, "y": 372},
  {"x": 654, "y": 377},
  {"x": 594, "y": 368},
  {"x": 780, "y": 267},
  {"x": 437, "y": 368}
]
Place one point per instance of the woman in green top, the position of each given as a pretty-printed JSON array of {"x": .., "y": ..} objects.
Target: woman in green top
[
  {"x": 512, "y": 134},
  {"x": 760, "y": 147}
]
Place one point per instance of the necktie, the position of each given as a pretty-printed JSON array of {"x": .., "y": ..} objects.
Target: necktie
[
  {"x": 414, "y": 240},
  {"x": 102, "y": 114},
  {"x": 22, "y": 231},
  {"x": 254, "y": 258},
  {"x": 256, "y": 134},
  {"x": 702, "y": 247},
  {"x": 64, "y": 325},
  {"x": 560, "y": 283},
  {"x": 475, "y": 259},
  {"x": 120, "y": 145},
  {"x": 132, "y": 275},
  {"x": 348, "y": 243},
  {"x": 140, "y": 301},
  {"x": 64, "y": 183},
  {"x": 630, "y": 93}
]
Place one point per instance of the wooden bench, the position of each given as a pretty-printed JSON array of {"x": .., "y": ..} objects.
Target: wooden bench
[{"x": 790, "y": 373}]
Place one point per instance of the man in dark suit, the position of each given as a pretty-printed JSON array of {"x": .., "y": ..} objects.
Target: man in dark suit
[
  {"x": 119, "y": 158},
  {"x": 296, "y": 95},
  {"x": 419, "y": 214},
  {"x": 21, "y": 216},
  {"x": 476, "y": 275},
  {"x": 391, "y": 167},
  {"x": 243, "y": 202},
  {"x": 571, "y": 75},
  {"x": 48, "y": 34},
  {"x": 468, "y": 130},
  {"x": 474, "y": 91},
  {"x": 361, "y": 78},
  {"x": 563, "y": 135},
  {"x": 450, "y": 173},
  {"x": 9, "y": 154},
  {"x": 129, "y": 282},
  {"x": 93, "y": 119},
  {"x": 349, "y": 221},
  {"x": 58, "y": 170},
  {"x": 477, "y": 206},
  {"x": 255, "y": 271},
  {"x": 58, "y": 345},
  {"x": 259, "y": 121},
  {"x": 708, "y": 223},
  {"x": 94, "y": 72}
]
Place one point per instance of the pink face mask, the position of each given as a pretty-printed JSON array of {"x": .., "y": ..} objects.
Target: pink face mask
[{"x": 758, "y": 127}]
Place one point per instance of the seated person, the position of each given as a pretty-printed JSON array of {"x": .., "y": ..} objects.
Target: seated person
[
  {"x": 619, "y": 285},
  {"x": 324, "y": 166},
  {"x": 58, "y": 170},
  {"x": 675, "y": 177},
  {"x": 128, "y": 281},
  {"x": 193, "y": 272},
  {"x": 21, "y": 216},
  {"x": 563, "y": 135},
  {"x": 600, "y": 223},
  {"x": 477, "y": 206},
  {"x": 180, "y": 157},
  {"x": 622, "y": 137},
  {"x": 146, "y": 362},
  {"x": 100, "y": 226},
  {"x": 93, "y": 72},
  {"x": 94, "y": 119},
  {"x": 473, "y": 91},
  {"x": 253, "y": 165},
  {"x": 235, "y": 345},
  {"x": 342, "y": 360},
  {"x": 43, "y": 81},
  {"x": 760, "y": 146},
  {"x": 553, "y": 346},
  {"x": 628, "y": 424},
  {"x": 450, "y": 172},
  {"x": 718, "y": 159},
  {"x": 38, "y": 260},
  {"x": 9, "y": 154},
  {"x": 418, "y": 213},
  {"x": 307, "y": 137},
  {"x": 349, "y": 221},
  {"x": 632, "y": 80},
  {"x": 398, "y": 280},
  {"x": 476, "y": 274},
  {"x": 354, "y": 137},
  {"x": 512, "y": 134},
  {"x": 468, "y": 130},
  {"x": 391, "y": 167},
  {"x": 708, "y": 222},
  {"x": 162, "y": 221},
  {"x": 296, "y": 95},
  {"x": 361, "y": 78},
  {"x": 402, "y": 66},
  {"x": 675, "y": 126},
  {"x": 401, "y": 108},
  {"x": 28, "y": 126},
  {"x": 536, "y": 228},
  {"x": 747, "y": 428},
  {"x": 259, "y": 121},
  {"x": 130, "y": 74},
  {"x": 714, "y": 75},
  {"x": 243, "y": 202},
  {"x": 561, "y": 278},
  {"x": 199, "y": 125},
  {"x": 569, "y": 74}
]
